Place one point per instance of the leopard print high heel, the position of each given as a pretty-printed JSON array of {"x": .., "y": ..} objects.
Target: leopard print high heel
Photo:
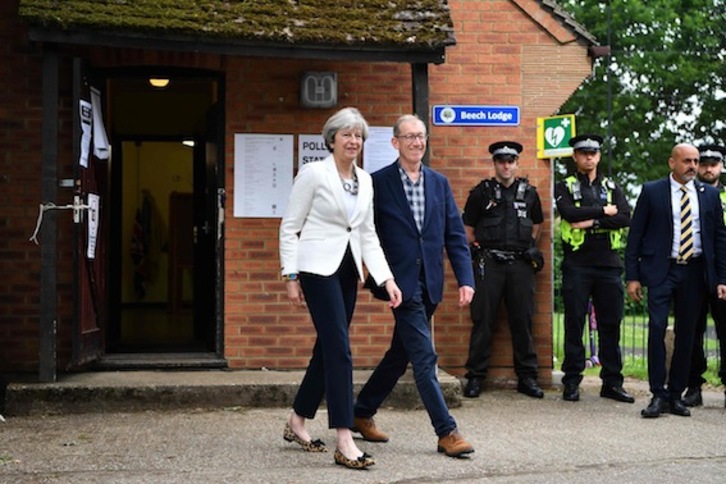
[{"x": 316, "y": 445}]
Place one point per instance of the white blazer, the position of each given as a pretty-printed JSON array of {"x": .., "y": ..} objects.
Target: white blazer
[{"x": 316, "y": 231}]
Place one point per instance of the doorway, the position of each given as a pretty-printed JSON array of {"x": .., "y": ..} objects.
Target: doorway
[{"x": 164, "y": 248}]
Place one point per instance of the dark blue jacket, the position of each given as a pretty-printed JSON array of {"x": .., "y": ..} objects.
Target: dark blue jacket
[
  {"x": 651, "y": 234},
  {"x": 405, "y": 248}
]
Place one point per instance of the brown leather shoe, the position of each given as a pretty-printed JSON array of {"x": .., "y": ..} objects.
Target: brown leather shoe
[
  {"x": 368, "y": 430},
  {"x": 454, "y": 445}
]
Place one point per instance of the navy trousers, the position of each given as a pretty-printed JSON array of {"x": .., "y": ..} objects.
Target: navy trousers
[
  {"x": 685, "y": 287},
  {"x": 411, "y": 342},
  {"x": 331, "y": 301}
]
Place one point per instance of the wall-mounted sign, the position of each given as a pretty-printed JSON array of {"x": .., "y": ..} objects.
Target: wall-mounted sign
[
  {"x": 310, "y": 148},
  {"x": 554, "y": 134},
  {"x": 476, "y": 115}
]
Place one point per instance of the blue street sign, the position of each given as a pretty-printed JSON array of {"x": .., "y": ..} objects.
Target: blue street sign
[{"x": 476, "y": 115}]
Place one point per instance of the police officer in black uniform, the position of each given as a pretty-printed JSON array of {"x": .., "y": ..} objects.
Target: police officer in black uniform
[
  {"x": 502, "y": 219},
  {"x": 710, "y": 166},
  {"x": 594, "y": 214}
]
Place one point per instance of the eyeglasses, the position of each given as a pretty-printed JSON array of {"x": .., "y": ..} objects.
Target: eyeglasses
[{"x": 410, "y": 138}]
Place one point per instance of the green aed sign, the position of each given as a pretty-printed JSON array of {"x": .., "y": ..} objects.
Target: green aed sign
[{"x": 554, "y": 134}]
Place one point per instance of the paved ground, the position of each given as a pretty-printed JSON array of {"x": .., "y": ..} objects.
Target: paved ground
[{"x": 517, "y": 439}]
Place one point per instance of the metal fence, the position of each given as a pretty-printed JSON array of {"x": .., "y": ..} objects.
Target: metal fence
[{"x": 633, "y": 338}]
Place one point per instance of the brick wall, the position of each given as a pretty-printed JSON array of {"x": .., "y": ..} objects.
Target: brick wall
[
  {"x": 502, "y": 57},
  {"x": 20, "y": 119}
]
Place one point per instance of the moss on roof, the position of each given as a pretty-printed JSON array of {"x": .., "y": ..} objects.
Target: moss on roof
[{"x": 413, "y": 24}]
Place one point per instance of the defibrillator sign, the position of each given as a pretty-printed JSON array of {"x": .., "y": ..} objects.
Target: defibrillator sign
[{"x": 554, "y": 134}]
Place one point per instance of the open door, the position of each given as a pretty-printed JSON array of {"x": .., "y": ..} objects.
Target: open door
[{"x": 90, "y": 254}]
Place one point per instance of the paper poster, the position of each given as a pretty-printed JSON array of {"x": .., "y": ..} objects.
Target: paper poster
[
  {"x": 100, "y": 139},
  {"x": 378, "y": 150},
  {"x": 262, "y": 174},
  {"x": 310, "y": 148},
  {"x": 93, "y": 214},
  {"x": 85, "y": 113}
]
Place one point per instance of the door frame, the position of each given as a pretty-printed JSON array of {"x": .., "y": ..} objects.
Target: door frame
[{"x": 215, "y": 200}]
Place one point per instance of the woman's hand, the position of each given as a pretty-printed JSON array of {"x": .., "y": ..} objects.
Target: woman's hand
[
  {"x": 295, "y": 292},
  {"x": 394, "y": 293}
]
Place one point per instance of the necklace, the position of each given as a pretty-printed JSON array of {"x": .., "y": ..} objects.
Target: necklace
[{"x": 351, "y": 187}]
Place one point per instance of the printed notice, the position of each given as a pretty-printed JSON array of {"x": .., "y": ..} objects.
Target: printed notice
[
  {"x": 262, "y": 174},
  {"x": 85, "y": 113},
  {"x": 378, "y": 150},
  {"x": 93, "y": 204}
]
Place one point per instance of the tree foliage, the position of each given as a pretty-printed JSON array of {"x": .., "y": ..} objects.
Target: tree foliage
[{"x": 668, "y": 76}]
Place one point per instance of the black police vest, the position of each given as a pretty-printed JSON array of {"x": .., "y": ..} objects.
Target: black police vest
[{"x": 504, "y": 221}]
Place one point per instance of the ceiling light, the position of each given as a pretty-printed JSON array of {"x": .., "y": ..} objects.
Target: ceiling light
[{"x": 158, "y": 82}]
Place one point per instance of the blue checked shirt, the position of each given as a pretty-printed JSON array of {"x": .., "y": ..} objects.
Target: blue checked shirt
[{"x": 414, "y": 195}]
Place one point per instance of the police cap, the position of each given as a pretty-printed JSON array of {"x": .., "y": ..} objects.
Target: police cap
[
  {"x": 711, "y": 154},
  {"x": 586, "y": 142},
  {"x": 505, "y": 150}
]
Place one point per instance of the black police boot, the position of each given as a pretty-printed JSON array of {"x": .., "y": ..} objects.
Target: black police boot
[
  {"x": 473, "y": 387},
  {"x": 571, "y": 393},
  {"x": 693, "y": 397},
  {"x": 530, "y": 387}
]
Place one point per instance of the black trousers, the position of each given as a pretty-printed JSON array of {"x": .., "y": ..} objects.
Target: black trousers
[
  {"x": 698, "y": 357},
  {"x": 605, "y": 286},
  {"x": 513, "y": 283}
]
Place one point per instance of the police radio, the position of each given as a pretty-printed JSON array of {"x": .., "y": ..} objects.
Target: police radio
[
  {"x": 497, "y": 192},
  {"x": 521, "y": 189}
]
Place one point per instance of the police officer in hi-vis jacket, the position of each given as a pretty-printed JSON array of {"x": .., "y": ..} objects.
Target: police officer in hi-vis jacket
[
  {"x": 710, "y": 167},
  {"x": 594, "y": 214}
]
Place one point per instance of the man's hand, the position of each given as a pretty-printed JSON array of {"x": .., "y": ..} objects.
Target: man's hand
[
  {"x": 583, "y": 224},
  {"x": 610, "y": 209},
  {"x": 635, "y": 290},
  {"x": 721, "y": 291},
  {"x": 394, "y": 293},
  {"x": 466, "y": 294}
]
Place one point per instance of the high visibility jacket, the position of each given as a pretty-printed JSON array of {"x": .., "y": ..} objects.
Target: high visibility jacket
[{"x": 576, "y": 237}]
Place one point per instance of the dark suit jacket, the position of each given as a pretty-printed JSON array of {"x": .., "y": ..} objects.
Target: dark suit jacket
[
  {"x": 651, "y": 235},
  {"x": 405, "y": 248}
]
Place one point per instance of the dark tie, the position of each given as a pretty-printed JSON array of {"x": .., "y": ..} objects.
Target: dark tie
[{"x": 685, "y": 248}]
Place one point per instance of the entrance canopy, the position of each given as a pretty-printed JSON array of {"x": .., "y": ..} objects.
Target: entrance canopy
[{"x": 366, "y": 30}]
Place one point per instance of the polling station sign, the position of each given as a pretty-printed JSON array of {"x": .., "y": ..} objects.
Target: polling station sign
[{"x": 476, "y": 115}]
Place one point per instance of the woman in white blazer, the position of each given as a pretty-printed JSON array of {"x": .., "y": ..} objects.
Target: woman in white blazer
[{"x": 326, "y": 235}]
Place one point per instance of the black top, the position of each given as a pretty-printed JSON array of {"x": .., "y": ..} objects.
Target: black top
[
  {"x": 502, "y": 217},
  {"x": 596, "y": 250}
]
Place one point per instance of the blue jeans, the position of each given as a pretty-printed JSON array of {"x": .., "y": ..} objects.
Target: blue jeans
[{"x": 411, "y": 342}]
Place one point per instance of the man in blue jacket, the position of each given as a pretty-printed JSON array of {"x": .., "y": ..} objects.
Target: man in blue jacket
[
  {"x": 676, "y": 248},
  {"x": 416, "y": 220}
]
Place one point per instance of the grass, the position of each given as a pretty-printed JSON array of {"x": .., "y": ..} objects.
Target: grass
[{"x": 633, "y": 344}]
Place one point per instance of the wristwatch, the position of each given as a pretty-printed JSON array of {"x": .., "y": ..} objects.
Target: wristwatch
[
  {"x": 596, "y": 224},
  {"x": 289, "y": 277}
]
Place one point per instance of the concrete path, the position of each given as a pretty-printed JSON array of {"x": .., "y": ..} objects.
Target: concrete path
[{"x": 517, "y": 439}]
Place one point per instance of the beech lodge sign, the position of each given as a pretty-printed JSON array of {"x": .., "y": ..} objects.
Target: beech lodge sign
[{"x": 476, "y": 115}]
